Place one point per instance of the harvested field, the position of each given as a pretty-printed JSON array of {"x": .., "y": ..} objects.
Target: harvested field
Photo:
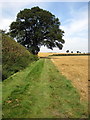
[
  {"x": 75, "y": 68},
  {"x": 44, "y": 54},
  {"x": 40, "y": 54}
]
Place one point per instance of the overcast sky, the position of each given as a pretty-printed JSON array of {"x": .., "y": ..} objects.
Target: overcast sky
[{"x": 72, "y": 15}]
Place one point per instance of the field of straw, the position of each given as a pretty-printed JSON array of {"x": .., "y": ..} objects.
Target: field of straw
[
  {"x": 40, "y": 54},
  {"x": 75, "y": 68}
]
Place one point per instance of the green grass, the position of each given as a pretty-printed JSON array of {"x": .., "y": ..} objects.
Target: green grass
[
  {"x": 15, "y": 57},
  {"x": 40, "y": 91}
]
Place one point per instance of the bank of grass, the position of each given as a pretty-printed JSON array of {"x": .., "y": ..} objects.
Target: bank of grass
[
  {"x": 40, "y": 91},
  {"x": 0, "y": 99},
  {"x": 15, "y": 57}
]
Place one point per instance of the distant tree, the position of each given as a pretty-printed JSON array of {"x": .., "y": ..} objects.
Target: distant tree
[
  {"x": 67, "y": 51},
  {"x": 71, "y": 51},
  {"x": 36, "y": 27},
  {"x": 2, "y": 31},
  {"x": 77, "y": 51}
]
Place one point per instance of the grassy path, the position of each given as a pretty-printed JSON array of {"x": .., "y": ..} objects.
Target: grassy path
[{"x": 40, "y": 91}]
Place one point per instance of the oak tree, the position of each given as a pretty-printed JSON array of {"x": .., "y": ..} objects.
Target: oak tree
[{"x": 36, "y": 27}]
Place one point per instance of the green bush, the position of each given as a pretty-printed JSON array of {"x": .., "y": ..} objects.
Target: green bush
[{"x": 15, "y": 57}]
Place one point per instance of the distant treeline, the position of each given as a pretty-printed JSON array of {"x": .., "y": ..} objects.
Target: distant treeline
[{"x": 71, "y": 54}]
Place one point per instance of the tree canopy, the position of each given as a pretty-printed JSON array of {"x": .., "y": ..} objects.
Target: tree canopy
[{"x": 36, "y": 27}]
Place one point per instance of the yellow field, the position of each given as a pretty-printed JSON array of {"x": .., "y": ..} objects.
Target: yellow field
[
  {"x": 40, "y": 54},
  {"x": 75, "y": 68},
  {"x": 44, "y": 54}
]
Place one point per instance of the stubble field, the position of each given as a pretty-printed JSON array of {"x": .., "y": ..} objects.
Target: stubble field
[
  {"x": 75, "y": 68},
  {"x": 44, "y": 54}
]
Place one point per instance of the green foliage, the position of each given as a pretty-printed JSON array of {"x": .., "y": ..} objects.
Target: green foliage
[
  {"x": 15, "y": 57},
  {"x": 36, "y": 27},
  {"x": 67, "y": 51}
]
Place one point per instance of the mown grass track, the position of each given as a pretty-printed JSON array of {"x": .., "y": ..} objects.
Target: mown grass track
[{"x": 40, "y": 91}]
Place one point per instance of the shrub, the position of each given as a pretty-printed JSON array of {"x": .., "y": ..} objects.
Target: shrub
[{"x": 15, "y": 57}]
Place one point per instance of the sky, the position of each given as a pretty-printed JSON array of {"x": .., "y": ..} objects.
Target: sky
[{"x": 73, "y": 17}]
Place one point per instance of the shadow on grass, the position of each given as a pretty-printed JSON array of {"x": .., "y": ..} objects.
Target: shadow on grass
[{"x": 48, "y": 58}]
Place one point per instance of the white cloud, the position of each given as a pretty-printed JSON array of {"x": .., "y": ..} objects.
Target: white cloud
[
  {"x": 76, "y": 27},
  {"x": 77, "y": 24},
  {"x": 9, "y": 12},
  {"x": 76, "y": 43},
  {"x": 4, "y": 24},
  {"x": 76, "y": 31}
]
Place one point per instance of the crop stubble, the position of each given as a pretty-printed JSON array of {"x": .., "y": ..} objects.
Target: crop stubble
[{"x": 75, "y": 68}]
